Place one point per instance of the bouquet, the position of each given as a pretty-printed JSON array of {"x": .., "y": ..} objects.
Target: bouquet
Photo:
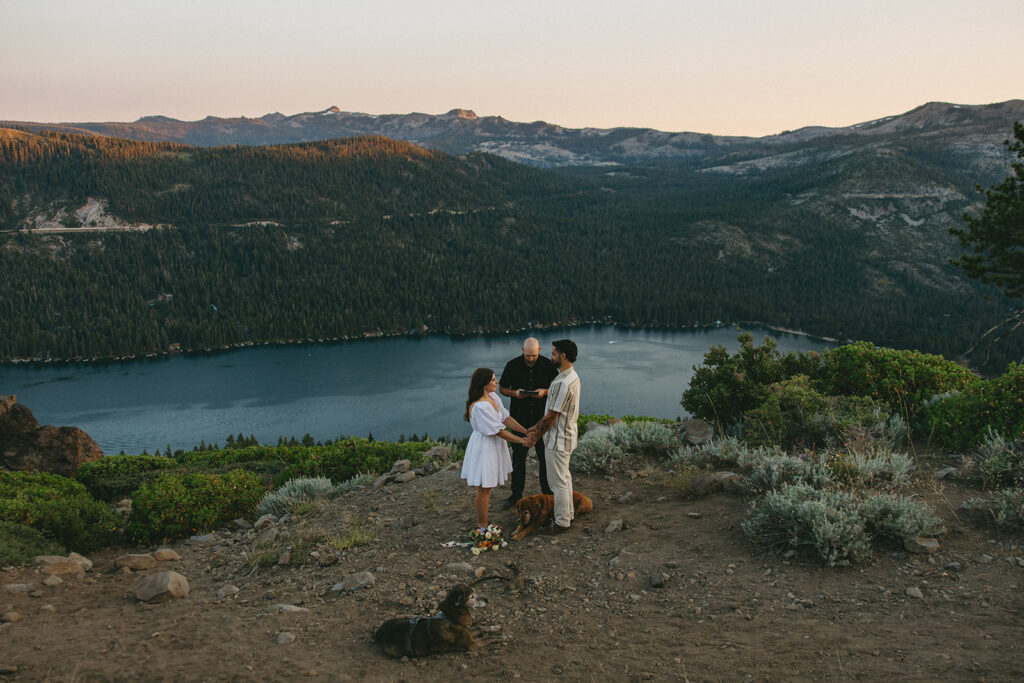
[{"x": 488, "y": 538}]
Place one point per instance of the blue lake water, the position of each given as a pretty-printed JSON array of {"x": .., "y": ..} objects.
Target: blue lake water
[{"x": 389, "y": 387}]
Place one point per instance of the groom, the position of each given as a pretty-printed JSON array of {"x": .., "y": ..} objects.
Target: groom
[{"x": 558, "y": 427}]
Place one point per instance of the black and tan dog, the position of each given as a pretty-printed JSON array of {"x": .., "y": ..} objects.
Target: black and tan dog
[
  {"x": 446, "y": 630},
  {"x": 537, "y": 510}
]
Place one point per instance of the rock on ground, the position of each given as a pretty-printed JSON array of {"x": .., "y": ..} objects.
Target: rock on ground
[
  {"x": 161, "y": 586},
  {"x": 136, "y": 561},
  {"x": 25, "y": 446}
]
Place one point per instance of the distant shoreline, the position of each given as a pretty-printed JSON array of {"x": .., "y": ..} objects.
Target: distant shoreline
[{"x": 238, "y": 346}]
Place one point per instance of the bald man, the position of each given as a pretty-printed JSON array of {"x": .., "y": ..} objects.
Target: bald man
[{"x": 526, "y": 379}]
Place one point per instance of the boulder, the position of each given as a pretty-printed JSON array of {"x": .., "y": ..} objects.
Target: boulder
[
  {"x": 136, "y": 561},
  {"x": 698, "y": 431},
  {"x": 160, "y": 587},
  {"x": 226, "y": 591},
  {"x": 404, "y": 477},
  {"x": 705, "y": 483},
  {"x": 438, "y": 454},
  {"x": 401, "y": 466},
  {"x": 921, "y": 545},
  {"x": 24, "y": 445},
  {"x": 82, "y": 560},
  {"x": 166, "y": 555},
  {"x": 265, "y": 521},
  {"x": 55, "y": 565}
]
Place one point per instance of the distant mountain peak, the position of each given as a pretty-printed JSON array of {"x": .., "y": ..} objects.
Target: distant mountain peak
[{"x": 464, "y": 114}]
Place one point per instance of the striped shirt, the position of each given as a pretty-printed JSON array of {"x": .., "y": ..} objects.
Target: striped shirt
[{"x": 564, "y": 399}]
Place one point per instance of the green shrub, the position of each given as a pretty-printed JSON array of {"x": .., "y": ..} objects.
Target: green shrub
[
  {"x": 798, "y": 516},
  {"x": 59, "y": 507},
  {"x": 294, "y": 492},
  {"x": 835, "y": 525},
  {"x": 19, "y": 543},
  {"x": 959, "y": 419},
  {"x": 1005, "y": 509},
  {"x": 727, "y": 453},
  {"x": 795, "y": 415},
  {"x": 353, "y": 483},
  {"x": 774, "y": 471},
  {"x": 115, "y": 476},
  {"x": 725, "y": 386},
  {"x": 175, "y": 505},
  {"x": 347, "y": 458},
  {"x": 867, "y": 468},
  {"x": 996, "y": 463},
  {"x": 603, "y": 450},
  {"x": 585, "y": 418},
  {"x": 898, "y": 518},
  {"x": 597, "y": 451},
  {"x": 903, "y": 380}
]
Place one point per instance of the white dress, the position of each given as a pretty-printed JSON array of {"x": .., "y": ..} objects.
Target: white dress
[{"x": 487, "y": 462}]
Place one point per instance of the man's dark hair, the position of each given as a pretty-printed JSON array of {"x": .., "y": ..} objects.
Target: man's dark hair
[{"x": 567, "y": 347}]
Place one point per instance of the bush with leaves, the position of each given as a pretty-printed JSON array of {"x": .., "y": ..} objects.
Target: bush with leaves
[
  {"x": 604, "y": 419},
  {"x": 59, "y": 507},
  {"x": 727, "y": 453},
  {"x": 726, "y": 385},
  {"x": 774, "y": 471},
  {"x": 996, "y": 463},
  {"x": 606, "y": 449},
  {"x": 115, "y": 476},
  {"x": 346, "y": 458},
  {"x": 800, "y": 517},
  {"x": 294, "y": 492},
  {"x": 796, "y": 415},
  {"x": 19, "y": 543},
  {"x": 898, "y": 518},
  {"x": 175, "y": 505},
  {"x": 1005, "y": 509},
  {"x": 868, "y": 468},
  {"x": 353, "y": 483},
  {"x": 960, "y": 419},
  {"x": 903, "y": 380},
  {"x": 835, "y": 525}
]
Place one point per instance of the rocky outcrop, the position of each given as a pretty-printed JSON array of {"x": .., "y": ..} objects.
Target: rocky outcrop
[{"x": 24, "y": 445}]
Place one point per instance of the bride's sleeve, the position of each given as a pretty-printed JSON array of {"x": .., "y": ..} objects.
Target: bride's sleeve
[{"x": 484, "y": 420}]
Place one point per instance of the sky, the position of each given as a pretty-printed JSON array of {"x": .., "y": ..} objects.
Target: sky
[{"x": 727, "y": 67}]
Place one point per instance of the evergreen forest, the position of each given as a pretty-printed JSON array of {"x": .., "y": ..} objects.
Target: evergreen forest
[{"x": 364, "y": 236}]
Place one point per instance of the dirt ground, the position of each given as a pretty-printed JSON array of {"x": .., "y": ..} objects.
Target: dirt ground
[{"x": 725, "y": 611}]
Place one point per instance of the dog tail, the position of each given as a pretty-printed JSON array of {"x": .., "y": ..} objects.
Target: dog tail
[{"x": 585, "y": 504}]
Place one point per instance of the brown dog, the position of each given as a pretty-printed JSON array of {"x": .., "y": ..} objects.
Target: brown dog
[
  {"x": 446, "y": 630},
  {"x": 537, "y": 510}
]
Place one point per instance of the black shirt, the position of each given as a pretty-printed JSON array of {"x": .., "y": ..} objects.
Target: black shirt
[{"x": 518, "y": 375}]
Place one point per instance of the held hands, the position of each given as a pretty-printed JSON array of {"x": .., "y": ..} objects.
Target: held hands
[{"x": 531, "y": 438}]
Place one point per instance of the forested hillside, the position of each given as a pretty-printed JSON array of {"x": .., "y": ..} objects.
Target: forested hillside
[{"x": 341, "y": 238}]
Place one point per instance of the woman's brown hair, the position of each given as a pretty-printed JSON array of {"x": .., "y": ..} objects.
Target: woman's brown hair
[{"x": 481, "y": 378}]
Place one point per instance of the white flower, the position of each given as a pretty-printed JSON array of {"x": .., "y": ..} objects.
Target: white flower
[
  {"x": 487, "y": 535},
  {"x": 476, "y": 551}
]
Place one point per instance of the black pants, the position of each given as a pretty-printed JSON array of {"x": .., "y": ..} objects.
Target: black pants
[{"x": 519, "y": 469}]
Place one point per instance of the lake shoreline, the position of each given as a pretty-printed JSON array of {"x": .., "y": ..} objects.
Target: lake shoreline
[{"x": 238, "y": 346}]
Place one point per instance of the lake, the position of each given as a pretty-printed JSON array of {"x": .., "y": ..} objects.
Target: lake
[{"x": 387, "y": 387}]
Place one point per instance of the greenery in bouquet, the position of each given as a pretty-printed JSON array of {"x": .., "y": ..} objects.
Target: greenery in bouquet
[{"x": 487, "y": 538}]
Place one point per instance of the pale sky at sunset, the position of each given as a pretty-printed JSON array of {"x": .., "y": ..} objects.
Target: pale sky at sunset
[{"x": 743, "y": 67}]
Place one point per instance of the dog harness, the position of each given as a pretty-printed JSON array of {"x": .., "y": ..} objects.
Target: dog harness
[{"x": 412, "y": 627}]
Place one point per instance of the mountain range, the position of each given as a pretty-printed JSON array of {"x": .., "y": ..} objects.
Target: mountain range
[{"x": 973, "y": 130}]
